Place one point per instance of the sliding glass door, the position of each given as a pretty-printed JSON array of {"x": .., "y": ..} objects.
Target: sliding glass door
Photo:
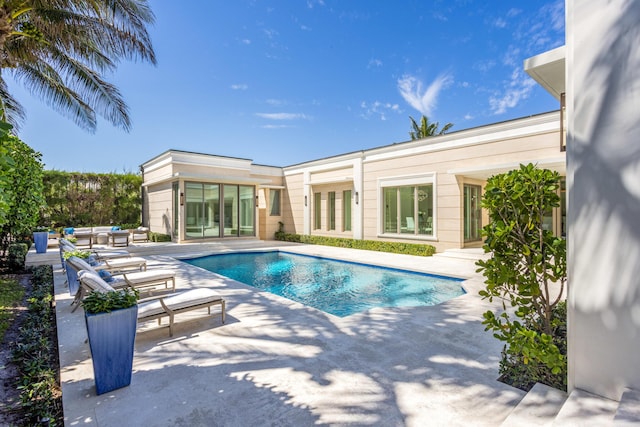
[{"x": 210, "y": 215}]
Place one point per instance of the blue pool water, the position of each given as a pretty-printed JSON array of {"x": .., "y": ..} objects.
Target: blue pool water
[{"x": 336, "y": 287}]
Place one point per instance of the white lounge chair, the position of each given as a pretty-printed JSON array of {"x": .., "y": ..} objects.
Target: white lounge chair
[
  {"x": 146, "y": 281},
  {"x": 156, "y": 308}
]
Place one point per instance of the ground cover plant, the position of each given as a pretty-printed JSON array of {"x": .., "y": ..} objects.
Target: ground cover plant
[
  {"x": 527, "y": 271},
  {"x": 371, "y": 245},
  {"x": 30, "y": 392}
]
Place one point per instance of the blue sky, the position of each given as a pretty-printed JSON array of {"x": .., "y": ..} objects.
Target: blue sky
[{"x": 283, "y": 82}]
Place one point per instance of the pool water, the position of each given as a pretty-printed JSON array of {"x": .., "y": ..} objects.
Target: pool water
[{"x": 337, "y": 287}]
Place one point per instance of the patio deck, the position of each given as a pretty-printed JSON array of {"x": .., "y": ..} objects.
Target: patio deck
[{"x": 277, "y": 362}]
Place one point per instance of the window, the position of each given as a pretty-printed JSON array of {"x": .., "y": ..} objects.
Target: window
[
  {"x": 332, "y": 210},
  {"x": 274, "y": 202},
  {"x": 317, "y": 211},
  {"x": 219, "y": 210},
  {"x": 408, "y": 209},
  {"x": 346, "y": 210}
]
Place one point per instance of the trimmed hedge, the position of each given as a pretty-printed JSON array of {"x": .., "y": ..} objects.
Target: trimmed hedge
[
  {"x": 370, "y": 245},
  {"x": 16, "y": 256},
  {"x": 159, "y": 237}
]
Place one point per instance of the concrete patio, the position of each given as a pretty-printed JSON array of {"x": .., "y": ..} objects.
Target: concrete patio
[{"x": 277, "y": 362}]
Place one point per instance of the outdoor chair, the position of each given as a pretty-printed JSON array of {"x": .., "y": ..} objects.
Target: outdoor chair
[
  {"x": 145, "y": 281},
  {"x": 159, "y": 307}
]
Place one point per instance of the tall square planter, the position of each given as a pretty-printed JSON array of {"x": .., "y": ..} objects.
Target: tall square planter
[
  {"x": 111, "y": 339},
  {"x": 41, "y": 240},
  {"x": 72, "y": 279}
]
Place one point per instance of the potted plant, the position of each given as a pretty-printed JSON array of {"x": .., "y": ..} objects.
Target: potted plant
[
  {"x": 72, "y": 274},
  {"x": 41, "y": 238},
  {"x": 111, "y": 320}
]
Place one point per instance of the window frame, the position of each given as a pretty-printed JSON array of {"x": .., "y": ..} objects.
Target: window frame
[
  {"x": 272, "y": 192},
  {"x": 418, "y": 180}
]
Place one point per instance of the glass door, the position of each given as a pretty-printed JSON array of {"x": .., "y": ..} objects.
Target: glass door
[
  {"x": 472, "y": 213},
  {"x": 230, "y": 210}
]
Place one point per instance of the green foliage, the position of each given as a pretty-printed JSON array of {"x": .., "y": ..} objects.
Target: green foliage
[
  {"x": 371, "y": 245},
  {"x": 62, "y": 51},
  {"x": 527, "y": 271},
  {"x": 76, "y": 253},
  {"x": 426, "y": 129},
  {"x": 16, "y": 256},
  {"x": 35, "y": 351},
  {"x": 104, "y": 302},
  {"x": 159, "y": 237},
  {"x": 21, "y": 194},
  {"x": 280, "y": 234},
  {"x": 11, "y": 293},
  {"x": 90, "y": 199}
]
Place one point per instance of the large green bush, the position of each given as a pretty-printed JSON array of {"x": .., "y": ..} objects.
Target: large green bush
[
  {"x": 371, "y": 245},
  {"x": 20, "y": 188},
  {"x": 527, "y": 271},
  {"x": 90, "y": 199}
]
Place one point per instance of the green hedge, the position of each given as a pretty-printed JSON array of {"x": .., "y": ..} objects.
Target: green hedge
[
  {"x": 159, "y": 237},
  {"x": 370, "y": 245}
]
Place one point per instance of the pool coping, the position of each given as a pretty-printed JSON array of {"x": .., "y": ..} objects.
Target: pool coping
[{"x": 281, "y": 361}]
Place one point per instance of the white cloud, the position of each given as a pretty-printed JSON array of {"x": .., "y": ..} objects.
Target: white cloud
[
  {"x": 245, "y": 41},
  {"x": 275, "y": 102},
  {"x": 500, "y": 23},
  {"x": 282, "y": 116},
  {"x": 378, "y": 109},
  {"x": 241, "y": 86},
  {"x": 468, "y": 116},
  {"x": 374, "y": 63},
  {"x": 312, "y": 3},
  {"x": 519, "y": 88},
  {"x": 484, "y": 66},
  {"x": 276, "y": 126},
  {"x": 423, "y": 100}
]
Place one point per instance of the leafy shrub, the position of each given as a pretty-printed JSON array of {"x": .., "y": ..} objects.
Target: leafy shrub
[
  {"x": 159, "y": 237},
  {"x": 79, "y": 253},
  {"x": 371, "y": 245},
  {"x": 527, "y": 271},
  {"x": 16, "y": 256},
  {"x": 34, "y": 354},
  {"x": 104, "y": 302}
]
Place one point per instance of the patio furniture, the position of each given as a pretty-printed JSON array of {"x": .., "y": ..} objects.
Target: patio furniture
[
  {"x": 140, "y": 234},
  {"x": 159, "y": 307},
  {"x": 83, "y": 238},
  {"x": 145, "y": 281},
  {"x": 119, "y": 238},
  {"x": 100, "y": 254}
]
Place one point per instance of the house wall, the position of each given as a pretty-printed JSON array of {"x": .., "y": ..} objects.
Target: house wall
[
  {"x": 446, "y": 158},
  {"x": 603, "y": 180},
  {"x": 160, "y": 213}
]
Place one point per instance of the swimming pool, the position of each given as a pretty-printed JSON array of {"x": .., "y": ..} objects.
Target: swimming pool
[{"x": 337, "y": 287}]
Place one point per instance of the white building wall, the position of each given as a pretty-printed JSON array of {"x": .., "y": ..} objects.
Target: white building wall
[{"x": 603, "y": 165}]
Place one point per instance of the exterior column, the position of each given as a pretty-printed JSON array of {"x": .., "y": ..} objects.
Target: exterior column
[
  {"x": 358, "y": 222},
  {"x": 306, "y": 206},
  {"x": 603, "y": 178}
]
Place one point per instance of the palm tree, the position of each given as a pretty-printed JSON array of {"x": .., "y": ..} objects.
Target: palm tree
[
  {"x": 59, "y": 50},
  {"x": 427, "y": 129}
]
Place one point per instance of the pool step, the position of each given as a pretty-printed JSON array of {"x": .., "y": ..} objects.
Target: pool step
[
  {"x": 539, "y": 407},
  {"x": 547, "y": 406}
]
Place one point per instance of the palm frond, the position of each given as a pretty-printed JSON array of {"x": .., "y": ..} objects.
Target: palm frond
[
  {"x": 43, "y": 81},
  {"x": 13, "y": 112}
]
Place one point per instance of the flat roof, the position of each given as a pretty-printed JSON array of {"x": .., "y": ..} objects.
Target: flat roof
[{"x": 548, "y": 69}]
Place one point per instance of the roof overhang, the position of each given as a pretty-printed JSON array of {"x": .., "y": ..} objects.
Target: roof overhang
[
  {"x": 548, "y": 69},
  {"x": 208, "y": 178},
  {"x": 558, "y": 164}
]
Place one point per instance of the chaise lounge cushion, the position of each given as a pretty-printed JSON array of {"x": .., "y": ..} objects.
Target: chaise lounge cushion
[{"x": 178, "y": 302}]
